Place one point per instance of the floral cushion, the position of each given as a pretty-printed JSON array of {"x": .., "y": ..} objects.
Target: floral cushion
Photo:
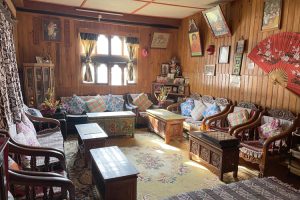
[
  {"x": 29, "y": 135},
  {"x": 211, "y": 110},
  {"x": 75, "y": 106},
  {"x": 12, "y": 164},
  {"x": 96, "y": 104},
  {"x": 187, "y": 107},
  {"x": 269, "y": 129},
  {"x": 238, "y": 117},
  {"x": 28, "y": 123},
  {"x": 114, "y": 103},
  {"x": 142, "y": 102},
  {"x": 198, "y": 110}
]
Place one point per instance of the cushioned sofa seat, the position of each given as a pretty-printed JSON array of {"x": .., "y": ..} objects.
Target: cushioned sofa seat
[{"x": 191, "y": 125}]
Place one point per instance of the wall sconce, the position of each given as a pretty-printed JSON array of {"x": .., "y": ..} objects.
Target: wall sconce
[{"x": 211, "y": 49}]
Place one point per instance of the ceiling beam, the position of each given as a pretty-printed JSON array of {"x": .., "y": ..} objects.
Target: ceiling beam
[{"x": 170, "y": 4}]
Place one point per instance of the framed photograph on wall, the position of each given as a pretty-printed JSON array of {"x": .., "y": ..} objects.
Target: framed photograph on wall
[
  {"x": 51, "y": 29},
  {"x": 181, "y": 89},
  {"x": 194, "y": 39},
  {"x": 224, "y": 54},
  {"x": 271, "y": 15},
  {"x": 210, "y": 70},
  {"x": 174, "y": 89},
  {"x": 240, "y": 46},
  {"x": 238, "y": 59},
  {"x": 216, "y": 21},
  {"x": 160, "y": 40},
  {"x": 165, "y": 69}
]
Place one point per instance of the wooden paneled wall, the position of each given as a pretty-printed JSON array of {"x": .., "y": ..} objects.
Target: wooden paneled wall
[
  {"x": 244, "y": 18},
  {"x": 66, "y": 54}
]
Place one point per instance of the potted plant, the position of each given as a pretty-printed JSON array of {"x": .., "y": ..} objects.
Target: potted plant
[
  {"x": 50, "y": 105},
  {"x": 161, "y": 97}
]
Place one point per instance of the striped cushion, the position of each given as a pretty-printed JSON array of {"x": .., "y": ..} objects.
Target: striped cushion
[
  {"x": 238, "y": 117},
  {"x": 142, "y": 102},
  {"x": 96, "y": 104}
]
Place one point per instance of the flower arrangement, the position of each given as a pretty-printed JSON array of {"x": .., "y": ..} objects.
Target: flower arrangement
[
  {"x": 50, "y": 105},
  {"x": 161, "y": 97}
]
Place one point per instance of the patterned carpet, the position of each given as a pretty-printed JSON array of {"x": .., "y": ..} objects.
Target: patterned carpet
[{"x": 165, "y": 170}]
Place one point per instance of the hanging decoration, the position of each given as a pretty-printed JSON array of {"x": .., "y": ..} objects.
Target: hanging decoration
[
  {"x": 279, "y": 56},
  {"x": 132, "y": 46},
  {"x": 194, "y": 38}
]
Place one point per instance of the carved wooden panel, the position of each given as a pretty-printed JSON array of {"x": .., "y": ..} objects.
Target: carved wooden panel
[
  {"x": 204, "y": 153},
  {"x": 216, "y": 160},
  {"x": 194, "y": 148}
]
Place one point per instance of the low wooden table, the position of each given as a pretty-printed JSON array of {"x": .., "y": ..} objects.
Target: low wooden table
[
  {"x": 114, "y": 123},
  {"x": 165, "y": 123},
  {"x": 114, "y": 176},
  {"x": 90, "y": 136},
  {"x": 218, "y": 151}
]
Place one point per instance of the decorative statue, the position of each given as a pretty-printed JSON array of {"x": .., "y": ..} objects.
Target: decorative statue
[{"x": 175, "y": 67}]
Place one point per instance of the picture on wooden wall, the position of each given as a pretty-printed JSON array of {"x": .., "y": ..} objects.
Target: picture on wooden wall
[
  {"x": 160, "y": 40},
  {"x": 238, "y": 59},
  {"x": 240, "y": 46},
  {"x": 165, "y": 69},
  {"x": 51, "y": 29},
  {"x": 194, "y": 38},
  {"x": 271, "y": 14},
  {"x": 210, "y": 70},
  {"x": 224, "y": 54},
  {"x": 216, "y": 21}
]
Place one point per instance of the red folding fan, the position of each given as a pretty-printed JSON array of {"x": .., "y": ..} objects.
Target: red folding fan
[{"x": 279, "y": 56}]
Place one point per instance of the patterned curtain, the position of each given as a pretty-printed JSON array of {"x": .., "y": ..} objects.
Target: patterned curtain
[
  {"x": 11, "y": 100},
  {"x": 132, "y": 46},
  {"x": 88, "y": 41}
]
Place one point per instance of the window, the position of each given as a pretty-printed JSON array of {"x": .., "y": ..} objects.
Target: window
[{"x": 110, "y": 58}]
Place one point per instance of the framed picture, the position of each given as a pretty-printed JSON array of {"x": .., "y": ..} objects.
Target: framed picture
[
  {"x": 165, "y": 69},
  {"x": 161, "y": 79},
  {"x": 240, "y": 46},
  {"x": 238, "y": 59},
  {"x": 210, "y": 70},
  {"x": 181, "y": 90},
  {"x": 39, "y": 59},
  {"x": 224, "y": 54},
  {"x": 271, "y": 14},
  {"x": 171, "y": 76},
  {"x": 194, "y": 38},
  {"x": 160, "y": 40},
  {"x": 174, "y": 89},
  {"x": 179, "y": 81},
  {"x": 216, "y": 21},
  {"x": 51, "y": 29},
  {"x": 235, "y": 81}
]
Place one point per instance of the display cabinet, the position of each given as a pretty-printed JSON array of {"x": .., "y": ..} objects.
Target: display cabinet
[
  {"x": 38, "y": 79},
  {"x": 175, "y": 90}
]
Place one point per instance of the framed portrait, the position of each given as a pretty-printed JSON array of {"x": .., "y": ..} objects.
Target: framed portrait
[
  {"x": 195, "y": 44},
  {"x": 271, "y": 15},
  {"x": 216, "y": 21},
  {"x": 160, "y": 40},
  {"x": 240, "y": 46},
  {"x": 181, "y": 90},
  {"x": 51, "y": 29},
  {"x": 210, "y": 70},
  {"x": 238, "y": 59},
  {"x": 164, "y": 69},
  {"x": 174, "y": 89},
  {"x": 224, "y": 54}
]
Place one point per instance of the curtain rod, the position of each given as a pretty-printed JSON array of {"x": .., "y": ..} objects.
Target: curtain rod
[{"x": 4, "y": 9}]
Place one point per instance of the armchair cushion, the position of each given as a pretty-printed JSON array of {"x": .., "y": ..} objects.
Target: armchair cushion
[
  {"x": 30, "y": 136},
  {"x": 187, "y": 107},
  {"x": 142, "y": 102},
  {"x": 114, "y": 103},
  {"x": 198, "y": 110},
  {"x": 96, "y": 104},
  {"x": 238, "y": 117},
  {"x": 253, "y": 149},
  {"x": 268, "y": 129},
  {"x": 211, "y": 110}
]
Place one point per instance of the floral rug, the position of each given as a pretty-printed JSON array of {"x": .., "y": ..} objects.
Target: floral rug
[{"x": 165, "y": 170}]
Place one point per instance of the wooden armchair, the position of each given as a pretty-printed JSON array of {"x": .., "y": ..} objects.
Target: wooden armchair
[
  {"x": 261, "y": 151},
  {"x": 220, "y": 122}
]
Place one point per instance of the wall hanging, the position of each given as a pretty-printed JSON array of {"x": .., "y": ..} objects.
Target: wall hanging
[
  {"x": 224, "y": 54},
  {"x": 271, "y": 14},
  {"x": 160, "y": 40},
  {"x": 210, "y": 70},
  {"x": 279, "y": 56},
  {"x": 194, "y": 38},
  {"x": 51, "y": 29}
]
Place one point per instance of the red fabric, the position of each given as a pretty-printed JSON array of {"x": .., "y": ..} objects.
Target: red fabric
[{"x": 280, "y": 50}]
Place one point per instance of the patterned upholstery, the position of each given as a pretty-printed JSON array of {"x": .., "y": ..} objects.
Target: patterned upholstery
[
  {"x": 252, "y": 149},
  {"x": 238, "y": 117},
  {"x": 142, "y": 102},
  {"x": 96, "y": 104}
]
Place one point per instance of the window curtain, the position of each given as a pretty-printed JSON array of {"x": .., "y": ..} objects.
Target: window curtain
[
  {"x": 11, "y": 100},
  {"x": 88, "y": 41},
  {"x": 132, "y": 46}
]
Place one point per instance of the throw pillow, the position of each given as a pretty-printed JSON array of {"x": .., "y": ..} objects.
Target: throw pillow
[
  {"x": 211, "y": 110},
  {"x": 187, "y": 107},
  {"x": 28, "y": 123},
  {"x": 198, "y": 110},
  {"x": 114, "y": 103},
  {"x": 35, "y": 112},
  {"x": 96, "y": 104},
  {"x": 76, "y": 106},
  {"x": 142, "y": 102},
  {"x": 12, "y": 164},
  {"x": 30, "y": 136},
  {"x": 238, "y": 117},
  {"x": 268, "y": 129}
]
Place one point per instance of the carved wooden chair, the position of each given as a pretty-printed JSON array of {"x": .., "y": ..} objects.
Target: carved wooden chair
[
  {"x": 257, "y": 149},
  {"x": 220, "y": 122}
]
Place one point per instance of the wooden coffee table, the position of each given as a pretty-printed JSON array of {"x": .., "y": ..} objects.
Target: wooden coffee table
[
  {"x": 90, "y": 136},
  {"x": 113, "y": 174},
  {"x": 165, "y": 123}
]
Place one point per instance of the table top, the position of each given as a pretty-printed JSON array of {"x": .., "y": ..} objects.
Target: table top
[
  {"x": 111, "y": 114},
  {"x": 112, "y": 163},
  {"x": 90, "y": 131},
  {"x": 165, "y": 114}
]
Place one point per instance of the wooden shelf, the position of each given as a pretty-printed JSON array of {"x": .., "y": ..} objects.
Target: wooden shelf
[
  {"x": 170, "y": 84},
  {"x": 171, "y": 93}
]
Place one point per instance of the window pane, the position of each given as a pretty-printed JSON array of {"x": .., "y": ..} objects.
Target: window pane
[
  {"x": 92, "y": 70},
  {"x": 116, "y": 46},
  {"x": 102, "y": 73},
  {"x": 116, "y": 75},
  {"x": 102, "y": 45}
]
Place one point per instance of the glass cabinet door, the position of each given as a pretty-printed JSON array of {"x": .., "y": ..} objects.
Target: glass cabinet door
[{"x": 39, "y": 85}]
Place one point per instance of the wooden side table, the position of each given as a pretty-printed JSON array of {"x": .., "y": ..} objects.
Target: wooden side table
[{"x": 218, "y": 151}]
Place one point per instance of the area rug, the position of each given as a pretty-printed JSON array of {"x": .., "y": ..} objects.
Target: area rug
[{"x": 165, "y": 170}]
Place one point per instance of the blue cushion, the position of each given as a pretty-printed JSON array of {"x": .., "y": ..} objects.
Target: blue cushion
[
  {"x": 114, "y": 103},
  {"x": 187, "y": 107},
  {"x": 211, "y": 110},
  {"x": 76, "y": 106}
]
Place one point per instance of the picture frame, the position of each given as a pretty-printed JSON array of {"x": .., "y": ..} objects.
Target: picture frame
[
  {"x": 215, "y": 19},
  {"x": 194, "y": 39},
  {"x": 174, "y": 89},
  {"x": 240, "y": 46},
  {"x": 160, "y": 40},
  {"x": 238, "y": 59},
  {"x": 51, "y": 29},
  {"x": 39, "y": 59},
  {"x": 171, "y": 76},
  {"x": 179, "y": 81},
  {"x": 161, "y": 79},
  {"x": 165, "y": 68},
  {"x": 224, "y": 53},
  {"x": 210, "y": 70},
  {"x": 181, "y": 89},
  {"x": 271, "y": 15}
]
